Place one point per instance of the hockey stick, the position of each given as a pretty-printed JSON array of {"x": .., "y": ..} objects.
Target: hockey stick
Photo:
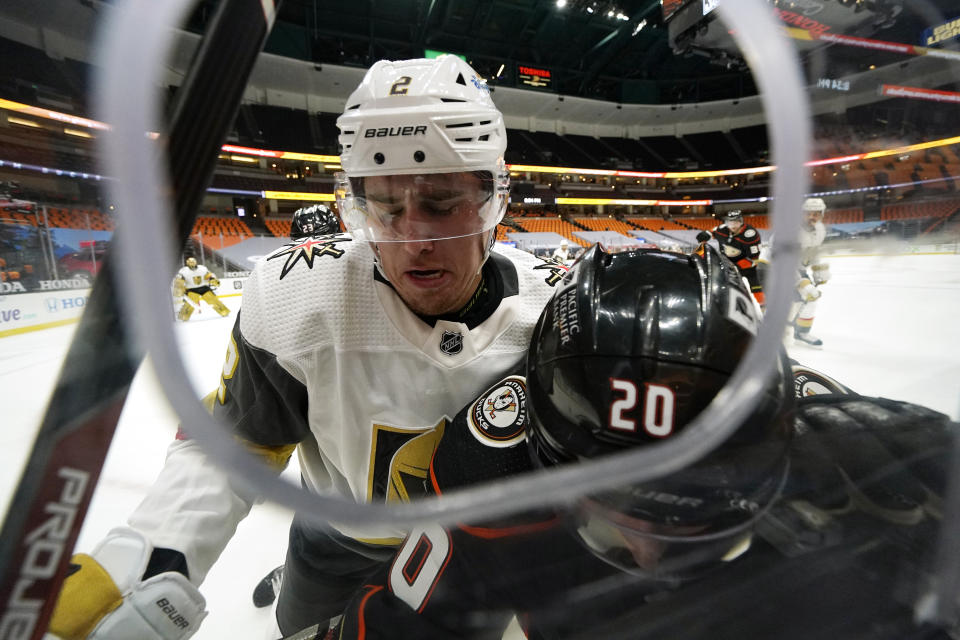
[{"x": 51, "y": 500}]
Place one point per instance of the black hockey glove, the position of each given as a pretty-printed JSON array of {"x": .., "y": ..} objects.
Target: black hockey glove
[
  {"x": 880, "y": 458},
  {"x": 883, "y": 457},
  {"x": 704, "y": 236}
]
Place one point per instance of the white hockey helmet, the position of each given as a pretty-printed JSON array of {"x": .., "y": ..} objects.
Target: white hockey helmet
[
  {"x": 814, "y": 204},
  {"x": 423, "y": 123}
]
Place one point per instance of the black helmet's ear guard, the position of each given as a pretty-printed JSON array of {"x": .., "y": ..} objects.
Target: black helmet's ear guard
[{"x": 630, "y": 349}]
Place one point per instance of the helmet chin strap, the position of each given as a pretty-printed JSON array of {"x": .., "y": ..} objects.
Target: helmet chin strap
[{"x": 491, "y": 240}]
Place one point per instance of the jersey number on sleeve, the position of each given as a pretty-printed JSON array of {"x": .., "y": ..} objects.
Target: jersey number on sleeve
[
  {"x": 658, "y": 407},
  {"x": 419, "y": 564}
]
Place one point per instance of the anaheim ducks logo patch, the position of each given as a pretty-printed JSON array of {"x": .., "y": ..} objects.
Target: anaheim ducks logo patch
[
  {"x": 309, "y": 249},
  {"x": 498, "y": 418}
]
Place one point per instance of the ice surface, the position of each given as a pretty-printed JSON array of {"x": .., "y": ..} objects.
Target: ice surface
[{"x": 889, "y": 326}]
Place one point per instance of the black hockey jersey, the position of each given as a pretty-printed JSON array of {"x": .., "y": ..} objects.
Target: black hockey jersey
[
  {"x": 810, "y": 572},
  {"x": 742, "y": 247},
  {"x": 469, "y": 580}
]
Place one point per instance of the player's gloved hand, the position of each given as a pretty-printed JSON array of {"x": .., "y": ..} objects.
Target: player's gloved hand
[
  {"x": 704, "y": 236},
  {"x": 105, "y": 598},
  {"x": 882, "y": 457},
  {"x": 808, "y": 292},
  {"x": 857, "y": 457},
  {"x": 214, "y": 283}
]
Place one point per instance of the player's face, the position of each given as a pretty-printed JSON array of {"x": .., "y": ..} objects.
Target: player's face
[
  {"x": 646, "y": 550},
  {"x": 734, "y": 225},
  {"x": 191, "y": 263},
  {"x": 431, "y": 276},
  {"x": 814, "y": 217},
  {"x": 612, "y": 533}
]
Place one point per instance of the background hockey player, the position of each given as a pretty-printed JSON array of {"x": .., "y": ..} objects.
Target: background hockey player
[
  {"x": 813, "y": 271},
  {"x": 193, "y": 283},
  {"x": 315, "y": 220},
  {"x": 562, "y": 253},
  {"x": 331, "y": 354},
  {"x": 797, "y": 526},
  {"x": 741, "y": 243}
]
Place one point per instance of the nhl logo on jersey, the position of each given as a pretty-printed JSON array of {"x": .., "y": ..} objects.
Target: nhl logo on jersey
[
  {"x": 451, "y": 342},
  {"x": 498, "y": 418}
]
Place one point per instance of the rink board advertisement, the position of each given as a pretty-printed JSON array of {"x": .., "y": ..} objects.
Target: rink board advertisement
[
  {"x": 22, "y": 311},
  {"x": 40, "y": 309}
]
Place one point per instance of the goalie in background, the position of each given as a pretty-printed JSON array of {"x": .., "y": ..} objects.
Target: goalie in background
[{"x": 193, "y": 283}]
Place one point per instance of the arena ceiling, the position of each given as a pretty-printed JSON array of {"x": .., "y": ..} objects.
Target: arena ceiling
[{"x": 617, "y": 50}]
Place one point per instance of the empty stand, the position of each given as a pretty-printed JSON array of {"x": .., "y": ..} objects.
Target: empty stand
[{"x": 555, "y": 225}]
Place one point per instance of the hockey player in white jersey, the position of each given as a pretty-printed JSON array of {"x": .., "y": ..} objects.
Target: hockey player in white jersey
[
  {"x": 813, "y": 271},
  {"x": 562, "y": 253},
  {"x": 352, "y": 349},
  {"x": 193, "y": 283}
]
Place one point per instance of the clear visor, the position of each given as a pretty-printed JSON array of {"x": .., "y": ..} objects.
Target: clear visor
[
  {"x": 417, "y": 208},
  {"x": 657, "y": 551},
  {"x": 670, "y": 551}
]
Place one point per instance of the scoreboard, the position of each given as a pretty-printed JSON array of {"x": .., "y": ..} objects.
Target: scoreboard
[{"x": 534, "y": 77}]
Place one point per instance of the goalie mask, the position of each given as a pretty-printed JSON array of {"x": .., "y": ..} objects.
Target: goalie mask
[
  {"x": 626, "y": 354},
  {"x": 422, "y": 148},
  {"x": 315, "y": 220}
]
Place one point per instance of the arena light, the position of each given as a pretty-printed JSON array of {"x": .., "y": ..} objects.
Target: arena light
[
  {"x": 66, "y": 118},
  {"x": 298, "y": 195},
  {"x": 76, "y": 132},
  {"x": 23, "y": 122},
  {"x": 250, "y": 151},
  {"x": 634, "y": 202},
  {"x": 531, "y": 168},
  {"x": 311, "y": 157},
  {"x": 684, "y": 203}
]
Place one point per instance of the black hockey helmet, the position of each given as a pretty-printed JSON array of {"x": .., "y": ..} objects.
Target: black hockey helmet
[
  {"x": 733, "y": 216},
  {"x": 315, "y": 220},
  {"x": 629, "y": 350}
]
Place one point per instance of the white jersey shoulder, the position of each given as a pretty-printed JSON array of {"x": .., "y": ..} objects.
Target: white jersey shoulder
[{"x": 381, "y": 382}]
